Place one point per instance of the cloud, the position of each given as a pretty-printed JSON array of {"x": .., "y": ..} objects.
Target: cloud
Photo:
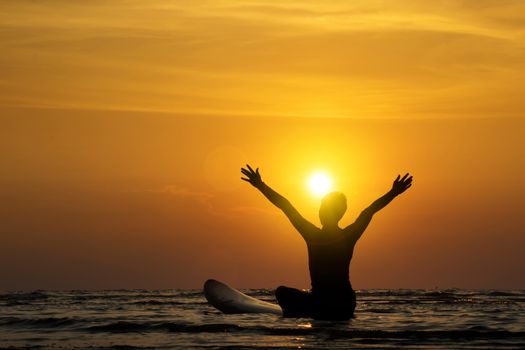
[
  {"x": 185, "y": 193},
  {"x": 209, "y": 201},
  {"x": 364, "y": 58}
]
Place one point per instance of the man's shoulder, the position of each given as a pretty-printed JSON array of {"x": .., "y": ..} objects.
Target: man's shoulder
[{"x": 354, "y": 231}]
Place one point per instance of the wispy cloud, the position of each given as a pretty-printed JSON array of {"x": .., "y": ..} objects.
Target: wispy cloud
[
  {"x": 184, "y": 192},
  {"x": 337, "y": 58},
  {"x": 204, "y": 198}
]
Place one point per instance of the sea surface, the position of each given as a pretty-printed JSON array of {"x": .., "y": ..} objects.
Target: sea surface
[{"x": 182, "y": 319}]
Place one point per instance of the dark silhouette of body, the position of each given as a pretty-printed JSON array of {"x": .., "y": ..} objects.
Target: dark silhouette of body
[{"x": 330, "y": 250}]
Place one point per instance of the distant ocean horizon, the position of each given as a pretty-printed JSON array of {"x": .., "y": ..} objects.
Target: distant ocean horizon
[{"x": 182, "y": 319}]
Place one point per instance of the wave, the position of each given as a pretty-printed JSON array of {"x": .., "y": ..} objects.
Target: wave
[
  {"x": 161, "y": 302},
  {"x": 505, "y": 293},
  {"x": 47, "y": 322},
  {"x": 468, "y": 334},
  {"x": 125, "y": 327},
  {"x": 25, "y": 296}
]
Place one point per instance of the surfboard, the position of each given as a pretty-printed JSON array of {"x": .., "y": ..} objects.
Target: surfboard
[{"x": 231, "y": 301}]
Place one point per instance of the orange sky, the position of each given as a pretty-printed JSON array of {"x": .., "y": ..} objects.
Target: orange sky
[{"x": 125, "y": 123}]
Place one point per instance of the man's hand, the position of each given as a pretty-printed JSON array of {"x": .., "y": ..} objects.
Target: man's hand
[
  {"x": 252, "y": 176},
  {"x": 401, "y": 184}
]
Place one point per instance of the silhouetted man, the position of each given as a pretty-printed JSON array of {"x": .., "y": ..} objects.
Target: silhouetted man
[{"x": 330, "y": 250}]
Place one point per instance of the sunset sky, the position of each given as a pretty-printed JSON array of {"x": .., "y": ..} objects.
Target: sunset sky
[{"x": 124, "y": 124}]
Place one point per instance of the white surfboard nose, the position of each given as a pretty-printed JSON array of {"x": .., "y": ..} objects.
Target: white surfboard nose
[{"x": 232, "y": 301}]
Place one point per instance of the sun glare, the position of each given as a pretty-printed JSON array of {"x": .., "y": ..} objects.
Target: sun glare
[{"x": 320, "y": 184}]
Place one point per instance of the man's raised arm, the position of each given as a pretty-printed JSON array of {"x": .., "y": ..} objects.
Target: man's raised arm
[
  {"x": 254, "y": 178},
  {"x": 399, "y": 186}
]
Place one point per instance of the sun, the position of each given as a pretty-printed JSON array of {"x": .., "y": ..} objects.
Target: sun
[{"x": 320, "y": 183}]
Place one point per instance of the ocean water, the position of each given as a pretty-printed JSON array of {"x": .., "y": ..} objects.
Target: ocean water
[{"x": 182, "y": 319}]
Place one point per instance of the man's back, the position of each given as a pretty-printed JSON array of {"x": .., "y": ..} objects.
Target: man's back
[{"x": 329, "y": 257}]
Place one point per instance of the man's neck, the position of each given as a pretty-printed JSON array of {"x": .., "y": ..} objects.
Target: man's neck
[{"x": 330, "y": 227}]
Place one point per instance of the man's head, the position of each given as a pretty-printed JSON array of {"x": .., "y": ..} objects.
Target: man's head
[{"x": 333, "y": 207}]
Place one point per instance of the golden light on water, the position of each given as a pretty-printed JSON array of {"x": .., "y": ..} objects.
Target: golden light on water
[{"x": 320, "y": 183}]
